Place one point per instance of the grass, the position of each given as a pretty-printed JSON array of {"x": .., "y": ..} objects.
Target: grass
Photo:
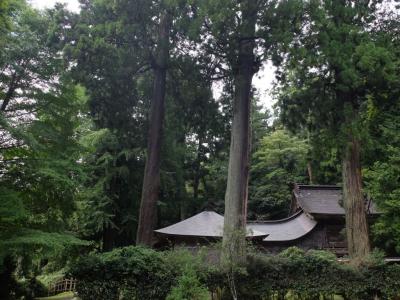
[{"x": 62, "y": 296}]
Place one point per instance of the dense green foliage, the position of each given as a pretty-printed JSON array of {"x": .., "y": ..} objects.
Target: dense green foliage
[
  {"x": 39, "y": 117},
  {"x": 330, "y": 93},
  {"x": 318, "y": 273},
  {"x": 279, "y": 162},
  {"x": 187, "y": 276},
  {"x": 382, "y": 179},
  {"x": 137, "y": 273},
  {"x": 382, "y": 174},
  {"x": 75, "y": 94}
]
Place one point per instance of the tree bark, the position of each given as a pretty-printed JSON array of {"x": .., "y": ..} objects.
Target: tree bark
[
  {"x": 10, "y": 92},
  {"x": 310, "y": 173},
  {"x": 236, "y": 190},
  {"x": 197, "y": 170},
  {"x": 356, "y": 220},
  {"x": 151, "y": 179}
]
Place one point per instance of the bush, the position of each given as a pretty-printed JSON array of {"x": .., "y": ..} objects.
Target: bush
[
  {"x": 130, "y": 272},
  {"x": 194, "y": 273},
  {"x": 188, "y": 288}
]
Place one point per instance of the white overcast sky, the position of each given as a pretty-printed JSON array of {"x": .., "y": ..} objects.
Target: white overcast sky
[
  {"x": 263, "y": 80},
  {"x": 71, "y": 4}
]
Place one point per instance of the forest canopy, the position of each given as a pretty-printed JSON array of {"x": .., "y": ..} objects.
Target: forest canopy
[{"x": 111, "y": 124}]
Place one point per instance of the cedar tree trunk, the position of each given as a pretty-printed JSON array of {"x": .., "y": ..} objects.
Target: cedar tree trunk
[
  {"x": 151, "y": 179},
  {"x": 356, "y": 220},
  {"x": 236, "y": 190},
  {"x": 310, "y": 173}
]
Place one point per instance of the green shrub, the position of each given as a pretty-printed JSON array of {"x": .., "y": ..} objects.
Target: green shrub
[
  {"x": 292, "y": 253},
  {"x": 202, "y": 263},
  {"x": 181, "y": 260},
  {"x": 189, "y": 288},
  {"x": 134, "y": 272}
]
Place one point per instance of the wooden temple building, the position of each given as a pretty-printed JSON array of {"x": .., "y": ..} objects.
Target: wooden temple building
[{"x": 316, "y": 221}]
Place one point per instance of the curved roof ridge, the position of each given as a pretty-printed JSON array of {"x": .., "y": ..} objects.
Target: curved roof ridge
[
  {"x": 289, "y": 229},
  {"x": 297, "y": 213},
  {"x": 203, "y": 224}
]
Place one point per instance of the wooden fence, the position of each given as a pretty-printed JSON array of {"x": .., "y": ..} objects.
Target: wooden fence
[{"x": 62, "y": 285}]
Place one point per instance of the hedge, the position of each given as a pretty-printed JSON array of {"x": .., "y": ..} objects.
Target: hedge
[
  {"x": 126, "y": 273},
  {"x": 140, "y": 273},
  {"x": 315, "y": 274}
]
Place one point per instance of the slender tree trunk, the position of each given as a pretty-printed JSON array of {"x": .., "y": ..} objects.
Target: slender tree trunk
[
  {"x": 181, "y": 184},
  {"x": 10, "y": 92},
  {"x": 196, "y": 177},
  {"x": 151, "y": 179},
  {"x": 356, "y": 220},
  {"x": 236, "y": 190},
  {"x": 310, "y": 173}
]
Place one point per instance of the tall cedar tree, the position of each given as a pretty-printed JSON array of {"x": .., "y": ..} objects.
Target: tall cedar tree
[
  {"x": 151, "y": 180},
  {"x": 234, "y": 32},
  {"x": 229, "y": 38},
  {"x": 175, "y": 17},
  {"x": 118, "y": 42},
  {"x": 333, "y": 69},
  {"x": 238, "y": 170}
]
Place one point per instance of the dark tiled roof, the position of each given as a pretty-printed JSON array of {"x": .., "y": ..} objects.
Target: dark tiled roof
[
  {"x": 288, "y": 229},
  {"x": 324, "y": 199}
]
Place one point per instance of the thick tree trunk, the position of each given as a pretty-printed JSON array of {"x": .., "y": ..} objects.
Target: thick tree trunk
[
  {"x": 356, "y": 220},
  {"x": 151, "y": 179},
  {"x": 236, "y": 190}
]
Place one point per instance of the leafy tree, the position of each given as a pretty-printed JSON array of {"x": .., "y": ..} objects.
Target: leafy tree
[
  {"x": 110, "y": 66},
  {"x": 40, "y": 179},
  {"x": 7, "y": 8},
  {"x": 383, "y": 185},
  {"x": 29, "y": 63},
  {"x": 279, "y": 162},
  {"x": 3, "y": 13},
  {"x": 39, "y": 153},
  {"x": 333, "y": 69},
  {"x": 194, "y": 135},
  {"x": 382, "y": 173}
]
